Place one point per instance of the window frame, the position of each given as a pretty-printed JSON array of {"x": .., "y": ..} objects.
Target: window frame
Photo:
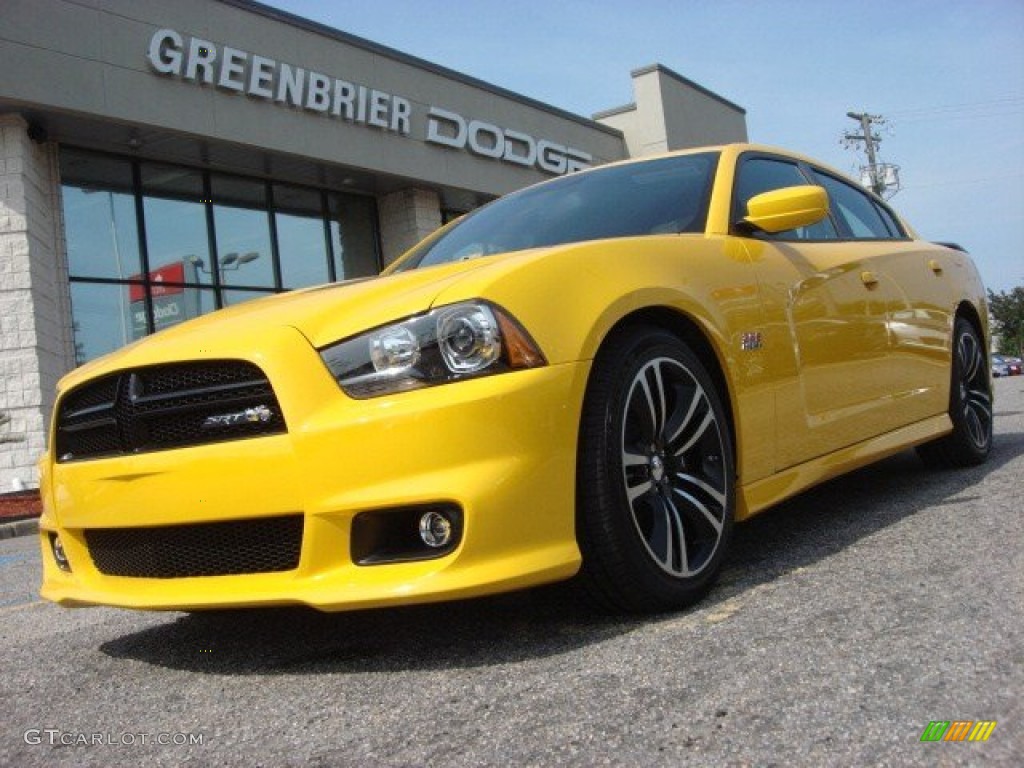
[
  {"x": 887, "y": 216},
  {"x": 139, "y": 193},
  {"x": 736, "y": 212},
  {"x": 810, "y": 172}
]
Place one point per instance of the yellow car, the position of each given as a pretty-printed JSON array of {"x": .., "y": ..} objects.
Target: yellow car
[{"x": 594, "y": 377}]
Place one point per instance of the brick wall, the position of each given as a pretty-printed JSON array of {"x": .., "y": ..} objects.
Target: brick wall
[{"x": 35, "y": 329}]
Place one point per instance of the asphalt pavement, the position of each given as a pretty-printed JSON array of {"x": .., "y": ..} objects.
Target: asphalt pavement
[{"x": 846, "y": 621}]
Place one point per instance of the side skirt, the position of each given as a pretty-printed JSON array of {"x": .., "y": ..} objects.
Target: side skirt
[{"x": 765, "y": 493}]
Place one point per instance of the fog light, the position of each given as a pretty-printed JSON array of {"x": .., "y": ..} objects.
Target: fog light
[
  {"x": 405, "y": 534},
  {"x": 59, "y": 555},
  {"x": 435, "y": 529}
]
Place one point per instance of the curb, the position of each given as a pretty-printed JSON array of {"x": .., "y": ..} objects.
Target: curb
[{"x": 20, "y": 528}]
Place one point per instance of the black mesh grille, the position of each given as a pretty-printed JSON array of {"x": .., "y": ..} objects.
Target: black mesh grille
[
  {"x": 264, "y": 545},
  {"x": 166, "y": 406}
]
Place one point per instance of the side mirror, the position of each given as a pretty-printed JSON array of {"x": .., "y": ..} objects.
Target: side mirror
[{"x": 787, "y": 208}]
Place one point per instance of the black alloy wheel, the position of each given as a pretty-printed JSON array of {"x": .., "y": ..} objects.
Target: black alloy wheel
[
  {"x": 656, "y": 478},
  {"x": 970, "y": 404}
]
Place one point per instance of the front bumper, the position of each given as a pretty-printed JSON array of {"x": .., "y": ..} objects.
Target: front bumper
[{"x": 501, "y": 448}]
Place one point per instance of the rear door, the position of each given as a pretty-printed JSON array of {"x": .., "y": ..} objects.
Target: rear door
[{"x": 919, "y": 278}]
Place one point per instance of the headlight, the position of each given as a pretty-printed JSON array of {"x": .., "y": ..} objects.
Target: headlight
[{"x": 450, "y": 343}]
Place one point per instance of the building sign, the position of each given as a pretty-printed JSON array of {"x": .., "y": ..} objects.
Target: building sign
[
  {"x": 200, "y": 61},
  {"x": 172, "y": 304}
]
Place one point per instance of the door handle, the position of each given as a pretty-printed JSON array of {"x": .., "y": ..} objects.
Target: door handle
[
  {"x": 934, "y": 266},
  {"x": 870, "y": 279}
]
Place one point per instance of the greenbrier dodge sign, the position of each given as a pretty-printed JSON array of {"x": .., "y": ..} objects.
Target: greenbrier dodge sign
[{"x": 201, "y": 62}]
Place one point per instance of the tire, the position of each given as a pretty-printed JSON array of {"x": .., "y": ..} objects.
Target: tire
[
  {"x": 656, "y": 479},
  {"x": 970, "y": 405}
]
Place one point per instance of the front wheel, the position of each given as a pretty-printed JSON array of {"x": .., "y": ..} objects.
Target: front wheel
[
  {"x": 970, "y": 405},
  {"x": 656, "y": 477}
]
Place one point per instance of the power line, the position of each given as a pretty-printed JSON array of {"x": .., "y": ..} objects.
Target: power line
[
  {"x": 964, "y": 182},
  {"x": 945, "y": 108}
]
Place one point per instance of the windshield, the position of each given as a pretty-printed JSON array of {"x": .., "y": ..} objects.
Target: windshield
[{"x": 656, "y": 197}]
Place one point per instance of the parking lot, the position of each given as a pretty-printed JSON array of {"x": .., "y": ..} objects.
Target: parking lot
[{"x": 846, "y": 620}]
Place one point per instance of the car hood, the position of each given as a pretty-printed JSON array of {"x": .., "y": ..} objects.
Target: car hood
[{"x": 324, "y": 314}]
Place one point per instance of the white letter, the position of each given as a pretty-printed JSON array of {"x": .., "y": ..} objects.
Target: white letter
[
  {"x": 231, "y": 65},
  {"x": 289, "y": 85},
  {"x": 361, "y": 105},
  {"x": 261, "y": 77},
  {"x": 344, "y": 93},
  {"x": 201, "y": 55},
  {"x": 400, "y": 111},
  {"x": 551, "y": 156},
  {"x": 165, "y": 52},
  {"x": 514, "y": 137},
  {"x": 378, "y": 109},
  {"x": 434, "y": 130},
  {"x": 493, "y": 148},
  {"x": 578, "y": 160},
  {"x": 318, "y": 97},
  {"x": 32, "y": 736}
]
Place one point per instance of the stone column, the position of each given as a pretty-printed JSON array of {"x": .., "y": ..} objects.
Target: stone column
[
  {"x": 406, "y": 217},
  {"x": 36, "y": 345}
]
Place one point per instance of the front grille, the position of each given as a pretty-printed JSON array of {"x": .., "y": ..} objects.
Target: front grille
[
  {"x": 166, "y": 406},
  {"x": 264, "y": 545}
]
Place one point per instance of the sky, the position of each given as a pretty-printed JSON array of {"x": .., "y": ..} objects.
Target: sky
[{"x": 948, "y": 76}]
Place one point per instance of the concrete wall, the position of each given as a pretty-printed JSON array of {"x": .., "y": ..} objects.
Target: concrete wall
[
  {"x": 35, "y": 326},
  {"x": 670, "y": 112},
  {"x": 89, "y": 58},
  {"x": 406, "y": 217}
]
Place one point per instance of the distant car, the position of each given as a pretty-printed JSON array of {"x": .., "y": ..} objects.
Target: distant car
[
  {"x": 594, "y": 377},
  {"x": 1013, "y": 366},
  {"x": 1000, "y": 367}
]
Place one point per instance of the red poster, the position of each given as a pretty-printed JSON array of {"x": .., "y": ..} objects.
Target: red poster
[{"x": 170, "y": 273}]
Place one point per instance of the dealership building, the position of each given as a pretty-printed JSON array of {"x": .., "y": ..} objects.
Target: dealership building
[{"x": 160, "y": 160}]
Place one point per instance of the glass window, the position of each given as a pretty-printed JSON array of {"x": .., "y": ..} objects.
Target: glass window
[
  {"x": 242, "y": 225},
  {"x": 353, "y": 225},
  {"x": 854, "y": 209},
  {"x": 104, "y": 318},
  {"x": 238, "y": 296},
  {"x": 301, "y": 240},
  {"x": 99, "y": 216},
  {"x": 176, "y": 304},
  {"x": 761, "y": 174},
  {"x": 890, "y": 221},
  {"x": 117, "y": 298},
  {"x": 663, "y": 196},
  {"x": 176, "y": 231}
]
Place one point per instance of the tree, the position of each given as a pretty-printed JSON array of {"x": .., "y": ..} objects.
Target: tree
[{"x": 1007, "y": 310}]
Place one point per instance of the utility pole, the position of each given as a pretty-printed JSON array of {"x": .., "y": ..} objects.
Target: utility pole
[{"x": 880, "y": 177}]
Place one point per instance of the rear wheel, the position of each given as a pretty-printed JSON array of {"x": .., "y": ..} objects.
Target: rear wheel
[
  {"x": 656, "y": 478},
  {"x": 970, "y": 405}
]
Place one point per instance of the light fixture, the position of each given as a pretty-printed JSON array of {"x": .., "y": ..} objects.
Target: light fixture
[
  {"x": 435, "y": 529},
  {"x": 59, "y": 555}
]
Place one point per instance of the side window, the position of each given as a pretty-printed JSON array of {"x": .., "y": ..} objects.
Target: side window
[
  {"x": 890, "y": 221},
  {"x": 762, "y": 174},
  {"x": 856, "y": 211}
]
